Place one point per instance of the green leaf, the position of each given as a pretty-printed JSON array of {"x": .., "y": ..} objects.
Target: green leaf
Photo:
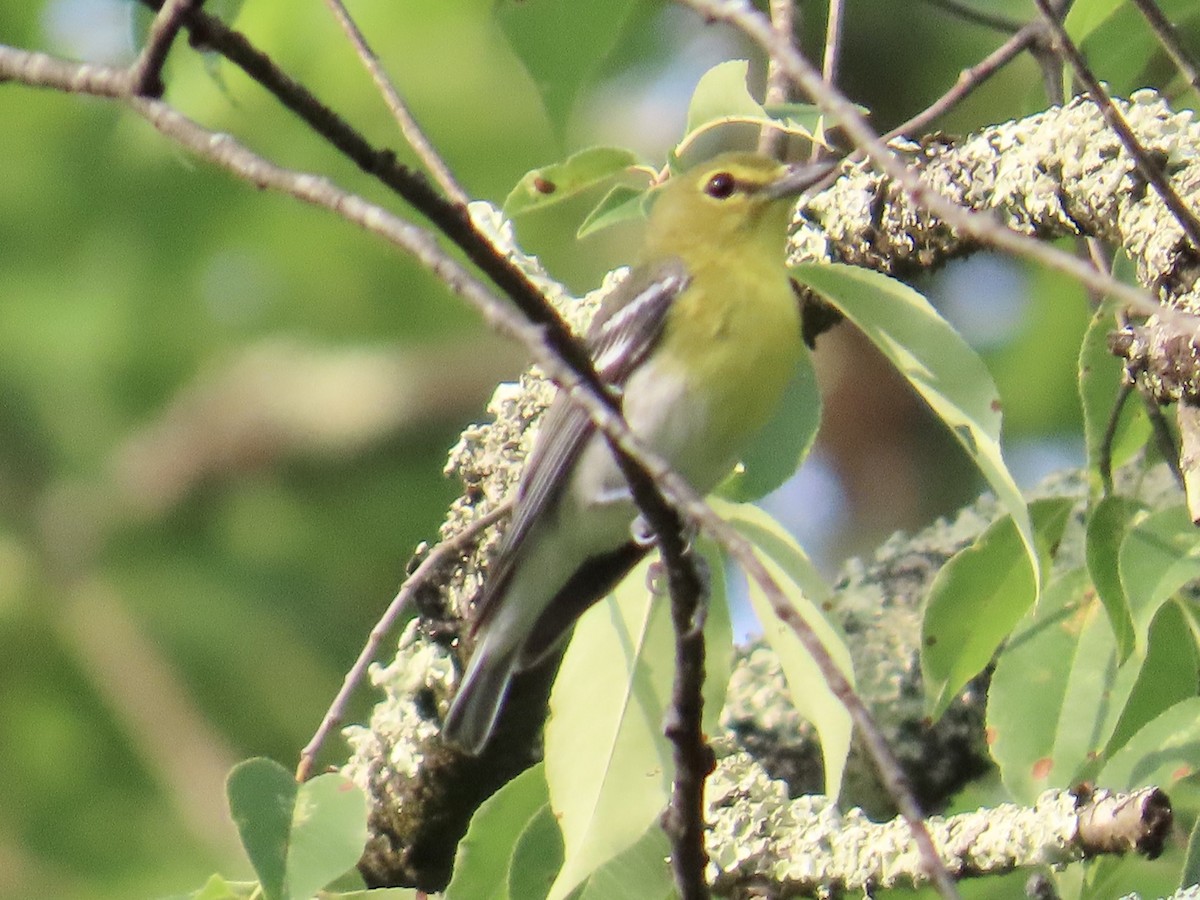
[
  {"x": 536, "y": 858},
  {"x": 722, "y": 97},
  {"x": 977, "y": 598},
  {"x": 1107, "y": 526},
  {"x": 939, "y": 365},
  {"x": 640, "y": 873},
  {"x": 608, "y": 765},
  {"x": 784, "y": 442},
  {"x": 1166, "y": 675},
  {"x": 561, "y": 43},
  {"x": 621, "y": 204},
  {"x": 1162, "y": 752},
  {"x": 328, "y": 834},
  {"x": 721, "y": 94},
  {"x": 299, "y": 838},
  {"x": 560, "y": 181},
  {"x": 718, "y": 637},
  {"x": 485, "y": 852},
  {"x": 217, "y": 888},
  {"x": 262, "y": 797},
  {"x": 1051, "y": 690},
  {"x": 1191, "y": 863},
  {"x": 807, "y": 593},
  {"x": 1160, "y": 554},
  {"x": 1100, "y": 375},
  {"x": 1117, "y": 41}
]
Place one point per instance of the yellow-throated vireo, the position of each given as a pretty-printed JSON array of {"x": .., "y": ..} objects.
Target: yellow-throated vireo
[{"x": 700, "y": 341}]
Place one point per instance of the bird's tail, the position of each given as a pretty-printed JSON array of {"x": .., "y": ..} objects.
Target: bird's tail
[{"x": 476, "y": 706}]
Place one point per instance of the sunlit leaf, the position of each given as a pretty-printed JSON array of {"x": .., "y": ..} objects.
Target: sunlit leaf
[
  {"x": 640, "y": 873},
  {"x": 807, "y": 592},
  {"x": 485, "y": 853},
  {"x": 977, "y": 598},
  {"x": 299, "y": 837},
  {"x": 784, "y": 442},
  {"x": 937, "y": 362},
  {"x": 560, "y": 181},
  {"x": 537, "y": 857},
  {"x": 621, "y": 204},
  {"x": 608, "y": 765},
  {"x": 1049, "y": 695},
  {"x": 721, "y": 94}
]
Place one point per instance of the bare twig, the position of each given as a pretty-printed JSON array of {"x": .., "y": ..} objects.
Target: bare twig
[
  {"x": 1150, "y": 169},
  {"x": 969, "y": 13},
  {"x": 969, "y": 79},
  {"x": 145, "y": 75},
  {"x": 445, "y": 553},
  {"x": 1168, "y": 36},
  {"x": 771, "y": 141},
  {"x": 400, "y": 112},
  {"x": 829, "y": 64}
]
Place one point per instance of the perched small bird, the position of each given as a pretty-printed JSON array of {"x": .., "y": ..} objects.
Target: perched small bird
[{"x": 699, "y": 341}]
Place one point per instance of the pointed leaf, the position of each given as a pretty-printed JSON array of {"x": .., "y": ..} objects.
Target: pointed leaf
[
  {"x": 1191, "y": 863},
  {"x": 939, "y": 365},
  {"x": 560, "y": 181},
  {"x": 262, "y": 797},
  {"x": 1051, "y": 690},
  {"x": 608, "y": 765},
  {"x": 621, "y": 204},
  {"x": 485, "y": 852},
  {"x": 977, "y": 598},
  {"x": 536, "y": 858},
  {"x": 1107, "y": 526},
  {"x": 784, "y": 442},
  {"x": 807, "y": 592},
  {"x": 1161, "y": 753},
  {"x": 1160, "y": 554}
]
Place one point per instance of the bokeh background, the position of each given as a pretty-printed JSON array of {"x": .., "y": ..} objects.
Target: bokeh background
[{"x": 224, "y": 415}]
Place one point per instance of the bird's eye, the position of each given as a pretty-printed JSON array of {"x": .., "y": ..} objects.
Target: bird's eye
[{"x": 720, "y": 185}]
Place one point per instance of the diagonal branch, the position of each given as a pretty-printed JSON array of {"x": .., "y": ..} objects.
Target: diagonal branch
[{"x": 1168, "y": 36}]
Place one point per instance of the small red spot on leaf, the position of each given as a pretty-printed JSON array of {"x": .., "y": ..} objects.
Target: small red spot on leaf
[
  {"x": 989, "y": 735},
  {"x": 997, "y": 405},
  {"x": 1182, "y": 772},
  {"x": 1041, "y": 768},
  {"x": 543, "y": 186}
]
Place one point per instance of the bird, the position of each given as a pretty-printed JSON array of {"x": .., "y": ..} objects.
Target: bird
[{"x": 698, "y": 342}]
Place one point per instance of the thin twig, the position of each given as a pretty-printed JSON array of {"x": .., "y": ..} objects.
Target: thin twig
[
  {"x": 1168, "y": 36},
  {"x": 448, "y": 551},
  {"x": 1151, "y": 170},
  {"x": 969, "y": 13},
  {"x": 412, "y": 132},
  {"x": 145, "y": 75},
  {"x": 969, "y": 79},
  {"x": 829, "y": 63},
  {"x": 771, "y": 141},
  {"x": 979, "y": 226}
]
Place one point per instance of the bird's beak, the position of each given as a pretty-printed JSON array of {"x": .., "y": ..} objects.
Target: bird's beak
[{"x": 798, "y": 178}]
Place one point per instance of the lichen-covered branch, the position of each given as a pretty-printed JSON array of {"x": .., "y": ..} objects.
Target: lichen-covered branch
[{"x": 768, "y": 845}]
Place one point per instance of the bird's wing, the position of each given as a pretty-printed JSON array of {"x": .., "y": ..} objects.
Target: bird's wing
[{"x": 624, "y": 331}]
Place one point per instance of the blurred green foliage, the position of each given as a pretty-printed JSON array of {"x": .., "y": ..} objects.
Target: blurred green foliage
[{"x": 129, "y": 272}]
